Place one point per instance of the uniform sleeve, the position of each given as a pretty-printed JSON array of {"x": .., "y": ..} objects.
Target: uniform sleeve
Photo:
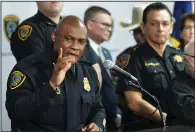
[
  {"x": 182, "y": 97},
  {"x": 26, "y": 40},
  {"x": 133, "y": 67},
  {"x": 23, "y": 100},
  {"x": 99, "y": 116}
]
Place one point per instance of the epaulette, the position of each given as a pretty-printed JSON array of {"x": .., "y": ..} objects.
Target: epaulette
[{"x": 173, "y": 47}]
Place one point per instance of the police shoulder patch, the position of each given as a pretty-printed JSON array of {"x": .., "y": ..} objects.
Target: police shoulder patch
[
  {"x": 17, "y": 78},
  {"x": 24, "y": 32},
  {"x": 123, "y": 60}
]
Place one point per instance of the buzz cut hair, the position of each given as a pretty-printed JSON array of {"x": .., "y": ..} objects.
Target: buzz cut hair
[{"x": 92, "y": 11}]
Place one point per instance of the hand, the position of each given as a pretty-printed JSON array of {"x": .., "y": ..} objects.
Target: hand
[
  {"x": 92, "y": 127},
  {"x": 164, "y": 116},
  {"x": 62, "y": 65}
]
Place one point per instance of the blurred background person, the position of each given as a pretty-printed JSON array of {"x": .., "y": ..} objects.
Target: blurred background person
[
  {"x": 34, "y": 34},
  {"x": 99, "y": 24},
  {"x": 133, "y": 26},
  {"x": 181, "y": 94},
  {"x": 187, "y": 27}
]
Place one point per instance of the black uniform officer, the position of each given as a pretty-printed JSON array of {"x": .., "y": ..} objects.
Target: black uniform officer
[
  {"x": 34, "y": 34},
  {"x": 53, "y": 91},
  {"x": 155, "y": 65},
  {"x": 154, "y": 73}
]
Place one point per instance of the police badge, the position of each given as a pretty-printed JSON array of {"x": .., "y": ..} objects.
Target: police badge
[
  {"x": 86, "y": 84},
  {"x": 10, "y": 24},
  {"x": 177, "y": 58}
]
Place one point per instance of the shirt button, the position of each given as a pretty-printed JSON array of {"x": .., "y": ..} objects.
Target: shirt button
[
  {"x": 170, "y": 71},
  {"x": 155, "y": 71},
  {"x": 51, "y": 103}
]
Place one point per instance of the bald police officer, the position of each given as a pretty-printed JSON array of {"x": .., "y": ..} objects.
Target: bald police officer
[{"x": 54, "y": 90}]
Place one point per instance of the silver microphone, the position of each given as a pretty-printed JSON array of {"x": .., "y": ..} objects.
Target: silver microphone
[{"x": 108, "y": 64}]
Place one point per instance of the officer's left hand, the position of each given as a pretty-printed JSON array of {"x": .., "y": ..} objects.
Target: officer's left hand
[{"x": 92, "y": 127}]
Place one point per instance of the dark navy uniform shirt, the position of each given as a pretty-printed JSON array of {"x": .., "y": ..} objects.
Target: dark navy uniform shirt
[
  {"x": 33, "y": 105},
  {"x": 32, "y": 35},
  {"x": 154, "y": 74}
]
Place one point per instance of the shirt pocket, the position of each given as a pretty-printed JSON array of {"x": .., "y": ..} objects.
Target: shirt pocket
[
  {"x": 87, "y": 102},
  {"x": 55, "y": 111},
  {"x": 178, "y": 66},
  {"x": 177, "y": 63},
  {"x": 156, "y": 78}
]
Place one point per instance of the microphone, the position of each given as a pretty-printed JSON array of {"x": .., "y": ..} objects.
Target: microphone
[{"x": 108, "y": 64}]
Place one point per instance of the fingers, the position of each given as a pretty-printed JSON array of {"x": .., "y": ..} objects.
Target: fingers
[
  {"x": 60, "y": 54},
  {"x": 92, "y": 128},
  {"x": 64, "y": 63},
  {"x": 84, "y": 129}
]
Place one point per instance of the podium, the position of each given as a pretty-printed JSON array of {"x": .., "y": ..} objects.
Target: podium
[{"x": 171, "y": 129}]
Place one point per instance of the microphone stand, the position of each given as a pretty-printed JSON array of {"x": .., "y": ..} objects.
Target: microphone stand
[{"x": 153, "y": 97}]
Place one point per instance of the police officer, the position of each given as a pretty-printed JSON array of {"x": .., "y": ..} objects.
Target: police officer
[
  {"x": 154, "y": 64},
  {"x": 181, "y": 94},
  {"x": 34, "y": 34},
  {"x": 53, "y": 91}
]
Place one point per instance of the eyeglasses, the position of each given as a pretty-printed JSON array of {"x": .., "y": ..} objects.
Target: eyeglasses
[
  {"x": 103, "y": 23},
  {"x": 189, "y": 27},
  {"x": 189, "y": 55}
]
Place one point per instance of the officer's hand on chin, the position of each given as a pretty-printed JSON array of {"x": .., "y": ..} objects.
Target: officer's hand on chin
[
  {"x": 62, "y": 65},
  {"x": 92, "y": 127}
]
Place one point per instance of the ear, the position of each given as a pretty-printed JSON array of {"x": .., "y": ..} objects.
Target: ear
[
  {"x": 171, "y": 27},
  {"x": 89, "y": 25},
  {"x": 142, "y": 26},
  {"x": 53, "y": 36}
]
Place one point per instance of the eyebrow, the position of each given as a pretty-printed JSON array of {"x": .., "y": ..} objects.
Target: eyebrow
[{"x": 76, "y": 37}]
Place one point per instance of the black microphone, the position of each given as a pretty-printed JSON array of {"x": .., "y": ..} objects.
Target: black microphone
[{"x": 108, "y": 64}]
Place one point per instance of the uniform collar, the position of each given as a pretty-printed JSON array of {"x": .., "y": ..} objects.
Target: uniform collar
[
  {"x": 150, "y": 50},
  {"x": 42, "y": 17}
]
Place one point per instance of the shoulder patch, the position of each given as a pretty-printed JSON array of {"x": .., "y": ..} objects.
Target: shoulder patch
[
  {"x": 17, "y": 78},
  {"x": 24, "y": 32},
  {"x": 123, "y": 60}
]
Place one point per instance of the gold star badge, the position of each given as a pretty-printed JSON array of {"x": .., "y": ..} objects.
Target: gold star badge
[
  {"x": 177, "y": 58},
  {"x": 86, "y": 84}
]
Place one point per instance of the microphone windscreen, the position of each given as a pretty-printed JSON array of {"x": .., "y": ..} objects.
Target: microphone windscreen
[{"x": 108, "y": 64}]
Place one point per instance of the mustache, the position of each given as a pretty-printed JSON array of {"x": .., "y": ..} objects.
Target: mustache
[{"x": 72, "y": 53}]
